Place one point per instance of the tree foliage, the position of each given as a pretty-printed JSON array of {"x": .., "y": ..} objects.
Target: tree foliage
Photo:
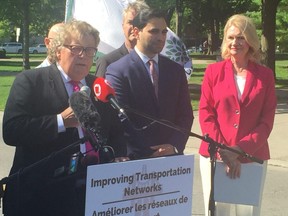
[
  {"x": 281, "y": 27},
  {"x": 4, "y": 30},
  {"x": 269, "y": 9},
  {"x": 213, "y": 15},
  {"x": 37, "y": 15},
  {"x": 208, "y": 18},
  {"x": 205, "y": 17},
  {"x": 42, "y": 15},
  {"x": 202, "y": 19}
]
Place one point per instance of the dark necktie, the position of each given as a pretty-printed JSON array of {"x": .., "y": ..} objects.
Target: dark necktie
[{"x": 154, "y": 76}]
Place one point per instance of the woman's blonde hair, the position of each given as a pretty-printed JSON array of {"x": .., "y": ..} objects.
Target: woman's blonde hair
[{"x": 247, "y": 27}]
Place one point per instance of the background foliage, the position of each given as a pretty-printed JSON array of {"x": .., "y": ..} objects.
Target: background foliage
[
  {"x": 193, "y": 21},
  {"x": 42, "y": 14},
  {"x": 196, "y": 16}
]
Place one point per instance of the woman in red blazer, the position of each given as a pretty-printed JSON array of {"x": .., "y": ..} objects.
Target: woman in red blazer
[{"x": 237, "y": 107}]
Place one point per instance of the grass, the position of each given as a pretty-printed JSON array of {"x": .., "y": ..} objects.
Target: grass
[
  {"x": 12, "y": 65},
  {"x": 282, "y": 74},
  {"x": 195, "y": 84},
  {"x": 5, "y": 85}
]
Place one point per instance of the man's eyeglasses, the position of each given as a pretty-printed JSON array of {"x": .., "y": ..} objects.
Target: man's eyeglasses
[{"x": 78, "y": 50}]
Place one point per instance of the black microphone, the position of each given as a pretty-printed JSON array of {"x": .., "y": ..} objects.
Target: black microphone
[
  {"x": 105, "y": 93},
  {"x": 86, "y": 89},
  {"x": 85, "y": 111},
  {"x": 89, "y": 118}
]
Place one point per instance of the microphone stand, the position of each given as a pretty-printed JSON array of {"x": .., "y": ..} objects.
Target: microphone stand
[
  {"x": 31, "y": 167},
  {"x": 213, "y": 148},
  {"x": 106, "y": 153},
  {"x": 5, "y": 180},
  {"x": 205, "y": 138}
]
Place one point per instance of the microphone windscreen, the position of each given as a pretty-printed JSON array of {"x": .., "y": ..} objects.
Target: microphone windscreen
[
  {"x": 86, "y": 89},
  {"x": 84, "y": 110},
  {"x": 103, "y": 89}
]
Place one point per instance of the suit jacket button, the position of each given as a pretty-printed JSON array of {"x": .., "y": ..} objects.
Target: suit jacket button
[{"x": 235, "y": 125}]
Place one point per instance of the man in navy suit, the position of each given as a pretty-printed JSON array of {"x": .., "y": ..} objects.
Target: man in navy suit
[
  {"x": 39, "y": 122},
  {"x": 129, "y": 13},
  {"x": 134, "y": 88}
]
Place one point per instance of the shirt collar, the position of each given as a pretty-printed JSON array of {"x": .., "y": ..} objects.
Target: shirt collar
[{"x": 145, "y": 58}]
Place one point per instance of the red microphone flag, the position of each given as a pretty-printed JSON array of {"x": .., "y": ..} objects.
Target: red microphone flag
[{"x": 103, "y": 89}]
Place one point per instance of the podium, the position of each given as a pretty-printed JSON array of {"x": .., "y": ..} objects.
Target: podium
[{"x": 158, "y": 186}]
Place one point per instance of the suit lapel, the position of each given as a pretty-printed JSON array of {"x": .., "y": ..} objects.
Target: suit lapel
[
  {"x": 230, "y": 81},
  {"x": 163, "y": 83},
  {"x": 123, "y": 50},
  {"x": 89, "y": 82},
  {"x": 139, "y": 67},
  {"x": 250, "y": 79},
  {"x": 57, "y": 86}
]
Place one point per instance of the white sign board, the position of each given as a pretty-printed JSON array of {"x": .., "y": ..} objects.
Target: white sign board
[
  {"x": 244, "y": 190},
  {"x": 150, "y": 187}
]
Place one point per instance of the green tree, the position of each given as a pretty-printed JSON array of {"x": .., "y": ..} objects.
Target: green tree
[
  {"x": 215, "y": 14},
  {"x": 282, "y": 26},
  {"x": 269, "y": 9},
  {"x": 165, "y": 5},
  {"x": 35, "y": 14},
  {"x": 4, "y": 30},
  {"x": 206, "y": 18}
]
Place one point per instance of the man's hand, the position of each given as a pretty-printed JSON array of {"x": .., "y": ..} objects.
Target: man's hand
[
  {"x": 121, "y": 159},
  {"x": 163, "y": 150},
  {"x": 69, "y": 118}
]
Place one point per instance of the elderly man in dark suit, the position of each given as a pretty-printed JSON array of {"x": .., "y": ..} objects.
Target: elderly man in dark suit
[
  {"x": 39, "y": 122},
  {"x": 163, "y": 94},
  {"x": 129, "y": 13}
]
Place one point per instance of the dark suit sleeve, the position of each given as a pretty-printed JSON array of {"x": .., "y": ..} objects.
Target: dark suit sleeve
[
  {"x": 22, "y": 122},
  {"x": 101, "y": 66},
  {"x": 110, "y": 127},
  {"x": 137, "y": 147},
  {"x": 116, "y": 137},
  {"x": 103, "y": 62},
  {"x": 134, "y": 89},
  {"x": 119, "y": 83},
  {"x": 183, "y": 115}
]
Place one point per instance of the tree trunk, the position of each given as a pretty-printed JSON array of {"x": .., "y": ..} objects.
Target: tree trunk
[
  {"x": 269, "y": 9},
  {"x": 212, "y": 38},
  {"x": 26, "y": 22},
  {"x": 179, "y": 15}
]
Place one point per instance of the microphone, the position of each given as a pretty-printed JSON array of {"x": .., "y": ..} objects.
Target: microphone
[
  {"x": 86, "y": 89},
  {"x": 84, "y": 110},
  {"x": 105, "y": 93},
  {"x": 89, "y": 118}
]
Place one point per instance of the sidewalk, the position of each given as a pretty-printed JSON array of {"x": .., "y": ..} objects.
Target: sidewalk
[{"x": 275, "y": 191}]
